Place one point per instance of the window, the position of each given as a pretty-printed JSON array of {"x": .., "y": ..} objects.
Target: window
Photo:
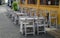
[
  {"x": 22, "y": 1},
  {"x": 42, "y": 2},
  {"x": 49, "y": 2},
  {"x": 59, "y": 2},
  {"x": 32, "y": 1}
]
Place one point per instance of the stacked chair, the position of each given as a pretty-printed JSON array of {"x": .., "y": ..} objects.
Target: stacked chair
[{"x": 53, "y": 19}]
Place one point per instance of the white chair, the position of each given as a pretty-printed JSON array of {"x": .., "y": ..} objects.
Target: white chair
[
  {"x": 53, "y": 16},
  {"x": 40, "y": 25},
  {"x": 29, "y": 27}
]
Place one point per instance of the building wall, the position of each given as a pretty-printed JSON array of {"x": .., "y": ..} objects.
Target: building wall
[
  {"x": 3, "y": 1},
  {"x": 0, "y": 2},
  {"x": 6, "y": 1},
  {"x": 10, "y": 2},
  {"x": 59, "y": 13},
  {"x": 43, "y": 7},
  {"x": 55, "y": 8}
]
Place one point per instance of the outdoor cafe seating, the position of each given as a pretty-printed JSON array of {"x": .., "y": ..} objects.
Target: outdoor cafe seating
[
  {"x": 25, "y": 22},
  {"x": 30, "y": 22}
]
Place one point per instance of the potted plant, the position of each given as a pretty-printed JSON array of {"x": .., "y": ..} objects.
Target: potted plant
[{"x": 15, "y": 6}]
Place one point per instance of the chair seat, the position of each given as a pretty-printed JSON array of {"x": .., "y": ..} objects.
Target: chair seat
[
  {"x": 25, "y": 23},
  {"x": 29, "y": 26},
  {"x": 41, "y": 25},
  {"x": 30, "y": 33}
]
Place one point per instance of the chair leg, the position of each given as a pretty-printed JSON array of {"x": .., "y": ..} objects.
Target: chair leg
[
  {"x": 37, "y": 30},
  {"x": 34, "y": 31},
  {"x": 25, "y": 31}
]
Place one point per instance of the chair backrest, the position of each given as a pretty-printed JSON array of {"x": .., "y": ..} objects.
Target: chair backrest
[
  {"x": 40, "y": 21},
  {"x": 53, "y": 13},
  {"x": 33, "y": 12},
  {"x": 30, "y": 21}
]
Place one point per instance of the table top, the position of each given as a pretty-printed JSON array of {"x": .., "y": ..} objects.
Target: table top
[
  {"x": 20, "y": 14},
  {"x": 24, "y": 18}
]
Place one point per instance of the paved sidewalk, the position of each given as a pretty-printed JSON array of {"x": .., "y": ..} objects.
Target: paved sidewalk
[{"x": 9, "y": 30}]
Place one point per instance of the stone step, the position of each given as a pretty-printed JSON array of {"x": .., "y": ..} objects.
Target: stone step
[{"x": 55, "y": 33}]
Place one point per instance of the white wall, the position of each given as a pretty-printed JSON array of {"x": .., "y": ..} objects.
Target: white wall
[{"x": 6, "y": 1}]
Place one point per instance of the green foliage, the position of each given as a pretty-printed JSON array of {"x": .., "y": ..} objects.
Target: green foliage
[{"x": 15, "y": 6}]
